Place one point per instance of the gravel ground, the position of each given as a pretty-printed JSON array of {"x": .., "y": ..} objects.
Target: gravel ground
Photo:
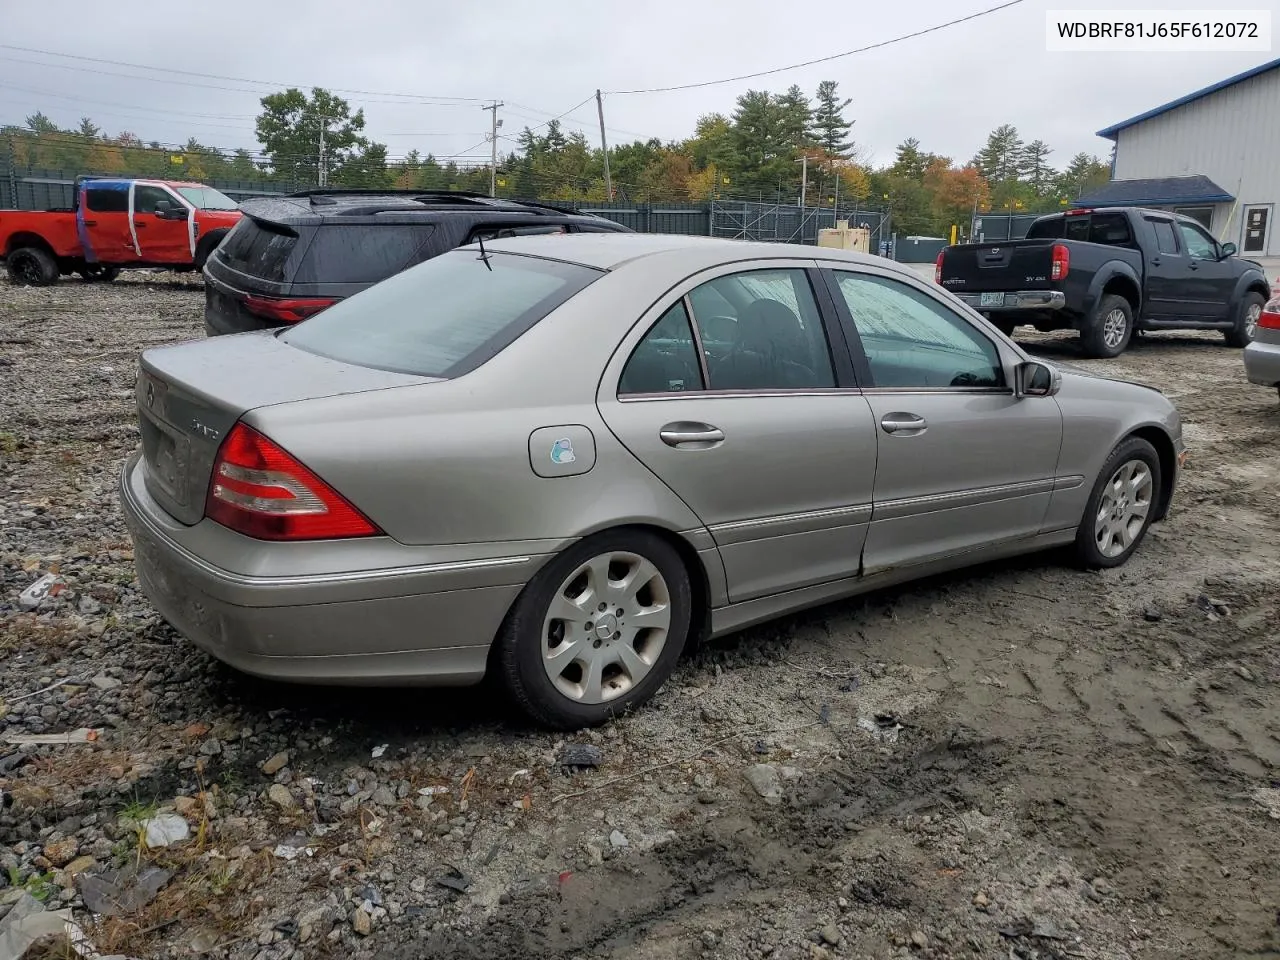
[{"x": 1021, "y": 760}]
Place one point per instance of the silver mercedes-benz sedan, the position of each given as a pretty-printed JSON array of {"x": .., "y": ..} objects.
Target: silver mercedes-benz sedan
[
  {"x": 1262, "y": 353},
  {"x": 561, "y": 460}
]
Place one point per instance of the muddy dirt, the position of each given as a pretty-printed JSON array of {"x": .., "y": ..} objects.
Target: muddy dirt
[{"x": 1021, "y": 760}]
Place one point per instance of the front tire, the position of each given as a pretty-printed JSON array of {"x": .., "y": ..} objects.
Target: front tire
[
  {"x": 1246, "y": 320},
  {"x": 1112, "y": 328},
  {"x": 1120, "y": 508},
  {"x": 32, "y": 267},
  {"x": 598, "y": 630},
  {"x": 205, "y": 248}
]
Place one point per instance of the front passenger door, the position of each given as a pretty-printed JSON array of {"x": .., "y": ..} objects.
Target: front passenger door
[
  {"x": 1211, "y": 281},
  {"x": 160, "y": 240},
  {"x": 962, "y": 463}
]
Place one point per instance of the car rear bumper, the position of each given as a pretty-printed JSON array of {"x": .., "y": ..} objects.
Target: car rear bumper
[
  {"x": 1262, "y": 363},
  {"x": 1019, "y": 300},
  {"x": 224, "y": 313},
  {"x": 425, "y": 623}
]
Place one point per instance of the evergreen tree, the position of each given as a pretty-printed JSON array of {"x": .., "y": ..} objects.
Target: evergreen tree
[{"x": 830, "y": 130}]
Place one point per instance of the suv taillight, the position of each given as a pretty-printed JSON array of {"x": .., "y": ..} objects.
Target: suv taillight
[
  {"x": 937, "y": 267},
  {"x": 262, "y": 491},
  {"x": 1061, "y": 262},
  {"x": 1270, "y": 317},
  {"x": 286, "y": 309}
]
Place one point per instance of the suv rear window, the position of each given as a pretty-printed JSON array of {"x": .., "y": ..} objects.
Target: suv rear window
[
  {"x": 361, "y": 252},
  {"x": 258, "y": 248},
  {"x": 444, "y": 317}
]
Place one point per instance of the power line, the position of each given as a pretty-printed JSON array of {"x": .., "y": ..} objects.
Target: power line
[
  {"x": 810, "y": 63},
  {"x": 217, "y": 76}
]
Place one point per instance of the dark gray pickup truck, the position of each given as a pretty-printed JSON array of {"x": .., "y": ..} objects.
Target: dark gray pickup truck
[{"x": 1108, "y": 272}]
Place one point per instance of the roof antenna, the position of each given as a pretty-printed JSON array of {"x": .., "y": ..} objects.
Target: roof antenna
[{"x": 484, "y": 256}]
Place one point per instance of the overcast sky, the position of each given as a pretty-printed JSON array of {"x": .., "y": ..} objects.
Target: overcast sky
[{"x": 947, "y": 89}]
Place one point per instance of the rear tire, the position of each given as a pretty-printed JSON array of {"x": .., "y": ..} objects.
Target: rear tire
[
  {"x": 1246, "y": 320},
  {"x": 32, "y": 267},
  {"x": 545, "y": 662},
  {"x": 97, "y": 273},
  {"x": 1121, "y": 507},
  {"x": 1110, "y": 330}
]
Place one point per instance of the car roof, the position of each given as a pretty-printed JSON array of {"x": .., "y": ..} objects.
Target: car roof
[
  {"x": 609, "y": 251},
  {"x": 315, "y": 206}
]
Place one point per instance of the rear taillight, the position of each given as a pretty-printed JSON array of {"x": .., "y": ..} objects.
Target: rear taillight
[
  {"x": 937, "y": 267},
  {"x": 1061, "y": 262},
  {"x": 260, "y": 490},
  {"x": 286, "y": 309},
  {"x": 1270, "y": 317}
]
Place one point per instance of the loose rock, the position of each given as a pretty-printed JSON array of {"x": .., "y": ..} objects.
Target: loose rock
[{"x": 275, "y": 764}]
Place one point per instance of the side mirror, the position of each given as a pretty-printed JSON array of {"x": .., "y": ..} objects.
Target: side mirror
[
  {"x": 162, "y": 209},
  {"x": 1035, "y": 379},
  {"x": 1228, "y": 250}
]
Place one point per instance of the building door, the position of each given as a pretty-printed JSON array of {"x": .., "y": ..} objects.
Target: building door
[{"x": 1257, "y": 220}]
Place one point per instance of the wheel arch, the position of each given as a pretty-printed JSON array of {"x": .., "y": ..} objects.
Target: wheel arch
[
  {"x": 1160, "y": 439},
  {"x": 26, "y": 238}
]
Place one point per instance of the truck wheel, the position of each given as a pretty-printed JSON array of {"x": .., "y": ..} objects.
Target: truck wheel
[
  {"x": 1246, "y": 320},
  {"x": 97, "y": 273},
  {"x": 1111, "y": 329},
  {"x": 33, "y": 267}
]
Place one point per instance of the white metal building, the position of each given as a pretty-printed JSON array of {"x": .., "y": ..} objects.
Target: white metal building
[{"x": 1213, "y": 155}]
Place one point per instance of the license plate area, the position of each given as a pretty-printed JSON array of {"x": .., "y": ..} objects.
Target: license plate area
[{"x": 991, "y": 300}]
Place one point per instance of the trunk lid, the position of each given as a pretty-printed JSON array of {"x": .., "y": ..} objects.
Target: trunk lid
[
  {"x": 190, "y": 395},
  {"x": 1003, "y": 265}
]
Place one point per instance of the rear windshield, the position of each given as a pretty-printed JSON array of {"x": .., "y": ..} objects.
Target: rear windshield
[
  {"x": 258, "y": 248},
  {"x": 361, "y": 253},
  {"x": 444, "y": 317},
  {"x": 1111, "y": 229}
]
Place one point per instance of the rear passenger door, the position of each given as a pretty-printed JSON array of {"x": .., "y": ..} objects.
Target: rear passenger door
[
  {"x": 736, "y": 390},
  {"x": 1168, "y": 272},
  {"x": 102, "y": 221}
]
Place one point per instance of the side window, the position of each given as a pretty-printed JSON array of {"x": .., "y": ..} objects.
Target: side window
[
  {"x": 761, "y": 330},
  {"x": 145, "y": 198},
  {"x": 1076, "y": 227},
  {"x": 102, "y": 200},
  {"x": 1111, "y": 229},
  {"x": 1198, "y": 243},
  {"x": 1166, "y": 242},
  {"x": 666, "y": 360},
  {"x": 912, "y": 341}
]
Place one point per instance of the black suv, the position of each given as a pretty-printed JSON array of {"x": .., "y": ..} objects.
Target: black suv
[{"x": 290, "y": 257}]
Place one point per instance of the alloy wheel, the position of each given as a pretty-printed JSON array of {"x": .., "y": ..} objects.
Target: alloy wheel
[
  {"x": 1251, "y": 320},
  {"x": 1123, "y": 508},
  {"x": 1114, "y": 325},
  {"x": 606, "y": 627}
]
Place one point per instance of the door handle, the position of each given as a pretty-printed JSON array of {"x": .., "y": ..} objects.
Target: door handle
[
  {"x": 1193, "y": 265},
  {"x": 1155, "y": 261},
  {"x": 139, "y": 224},
  {"x": 906, "y": 424},
  {"x": 91, "y": 223},
  {"x": 693, "y": 436}
]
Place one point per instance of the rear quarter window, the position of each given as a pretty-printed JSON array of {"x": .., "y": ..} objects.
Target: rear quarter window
[
  {"x": 258, "y": 248},
  {"x": 444, "y": 317},
  {"x": 1050, "y": 229},
  {"x": 361, "y": 253}
]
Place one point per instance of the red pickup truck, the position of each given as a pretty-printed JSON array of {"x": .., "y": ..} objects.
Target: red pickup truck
[{"x": 116, "y": 223}]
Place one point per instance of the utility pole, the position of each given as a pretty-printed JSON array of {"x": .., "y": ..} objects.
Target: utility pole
[
  {"x": 804, "y": 178},
  {"x": 320, "y": 173},
  {"x": 604, "y": 146},
  {"x": 835, "y": 206},
  {"x": 493, "y": 152}
]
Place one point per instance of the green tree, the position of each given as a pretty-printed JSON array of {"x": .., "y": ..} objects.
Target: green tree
[
  {"x": 290, "y": 130},
  {"x": 910, "y": 162},
  {"x": 829, "y": 129},
  {"x": 1034, "y": 168},
  {"x": 1002, "y": 157},
  {"x": 1083, "y": 173},
  {"x": 763, "y": 148},
  {"x": 796, "y": 114}
]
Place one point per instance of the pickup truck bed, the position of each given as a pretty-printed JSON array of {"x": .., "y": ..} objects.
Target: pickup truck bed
[{"x": 1109, "y": 273}]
